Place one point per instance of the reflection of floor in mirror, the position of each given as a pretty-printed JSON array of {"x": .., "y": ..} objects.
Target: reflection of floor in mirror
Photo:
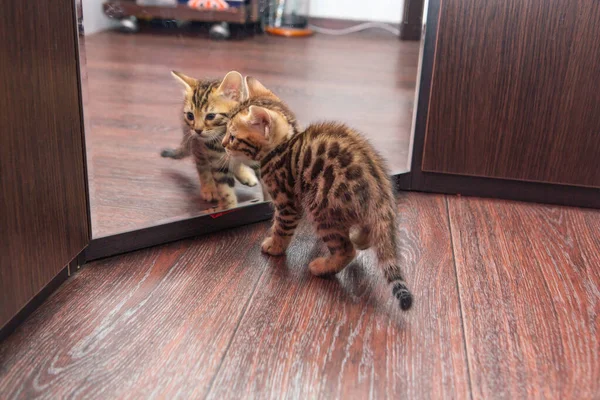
[
  {"x": 366, "y": 80},
  {"x": 506, "y": 306}
]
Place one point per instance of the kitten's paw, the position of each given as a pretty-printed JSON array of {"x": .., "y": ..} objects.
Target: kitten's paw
[
  {"x": 245, "y": 175},
  {"x": 175, "y": 154},
  {"x": 209, "y": 193},
  {"x": 227, "y": 204},
  {"x": 168, "y": 153},
  {"x": 247, "y": 178},
  {"x": 321, "y": 267},
  {"x": 272, "y": 247}
]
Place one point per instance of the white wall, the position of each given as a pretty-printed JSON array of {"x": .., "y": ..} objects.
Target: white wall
[
  {"x": 374, "y": 10},
  {"x": 94, "y": 19}
]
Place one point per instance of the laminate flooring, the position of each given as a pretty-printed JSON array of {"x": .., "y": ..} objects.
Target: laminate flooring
[{"x": 507, "y": 304}]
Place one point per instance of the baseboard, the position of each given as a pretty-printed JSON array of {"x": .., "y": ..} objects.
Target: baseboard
[
  {"x": 37, "y": 300},
  {"x": 532, "y": 192},
  {"x": 335, "y": 23},
  {"x": 177, "y": 230}
]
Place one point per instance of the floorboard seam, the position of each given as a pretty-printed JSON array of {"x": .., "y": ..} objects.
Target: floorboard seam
[
  {"x": 460, "y": 301},
  {"x": 237, "y": 326}
]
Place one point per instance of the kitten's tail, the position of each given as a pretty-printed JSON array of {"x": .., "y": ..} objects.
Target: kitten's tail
[{"x": 384, "y": 240}]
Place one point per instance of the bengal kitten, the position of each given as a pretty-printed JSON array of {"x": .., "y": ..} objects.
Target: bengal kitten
[
  {"x": 205, "y": 115},
  {"x": 328, "y": 171}
]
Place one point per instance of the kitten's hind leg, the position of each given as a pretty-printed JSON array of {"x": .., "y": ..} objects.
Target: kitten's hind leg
[
  {"x": 342, "y": 252},
  {"x": 360, "y": 237},
  {"x": 244, "y": 173}
]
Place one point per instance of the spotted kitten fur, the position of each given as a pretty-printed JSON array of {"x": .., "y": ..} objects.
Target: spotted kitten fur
[
  {"x": 327, "y": 171},
  {"x": 204, "y": 119}
]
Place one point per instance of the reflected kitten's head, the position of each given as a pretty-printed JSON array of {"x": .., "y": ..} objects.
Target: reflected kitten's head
[
  {"x": 208, "y": 102},
  {"x": 259, "y": 124}
]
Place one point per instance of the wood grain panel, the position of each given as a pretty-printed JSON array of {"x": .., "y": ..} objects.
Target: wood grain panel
[
  {"x": 529, "y": 282},
  {"x": 150, "y": 324},
  {"x": 134, "y": 107},
  {"x": 515, "y": 92},
  {"x": 213, "y": 318},
  {"x": 43, "y": 212},
  {"x": 304, "y": 337}
]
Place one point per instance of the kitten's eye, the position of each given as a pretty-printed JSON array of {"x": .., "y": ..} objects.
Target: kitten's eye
[
  {"x": 210, "y": 117},
  {"x": 190, "y": 116},
  {"x": 231, "y": 138}
]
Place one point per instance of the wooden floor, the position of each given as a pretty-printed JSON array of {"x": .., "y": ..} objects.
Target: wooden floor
[
  {"x": 366, "y": 80},
  {"x": 507, "y": 305}
]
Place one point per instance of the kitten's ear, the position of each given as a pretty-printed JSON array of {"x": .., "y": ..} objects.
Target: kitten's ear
[
  {"x": 257, "y": 89},
  {"x": 260, "y": 120},
  {"x": 232, "y": 86},
  {"x": 184, "y": 79}
]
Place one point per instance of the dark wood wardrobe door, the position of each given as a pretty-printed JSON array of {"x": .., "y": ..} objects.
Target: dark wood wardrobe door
[
  {"x": 515, "y": 92},
  {"x": 43, "y": 206}
]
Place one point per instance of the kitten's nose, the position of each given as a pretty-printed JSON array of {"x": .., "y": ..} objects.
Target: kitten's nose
[{"x": 198, "y": 131}]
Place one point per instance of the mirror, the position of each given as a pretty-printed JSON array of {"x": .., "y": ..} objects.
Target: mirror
[{"x": 332, "y": 68}]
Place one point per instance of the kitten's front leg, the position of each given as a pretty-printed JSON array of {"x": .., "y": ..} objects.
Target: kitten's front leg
[
  {"x": 285, "y": 222},
  {"x": 225, "y": 183},
  {"x": 176, "y": 154},
  {"x": 180, "y": 152},
  {"x": 208, "y": 187},
  {"x": 265, "y": 190}
]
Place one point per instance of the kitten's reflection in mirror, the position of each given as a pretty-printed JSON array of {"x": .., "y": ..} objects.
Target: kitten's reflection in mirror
[{"x": 204, "y": 116}]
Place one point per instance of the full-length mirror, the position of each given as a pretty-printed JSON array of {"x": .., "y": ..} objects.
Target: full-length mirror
[{"x": 153, "y": 136}]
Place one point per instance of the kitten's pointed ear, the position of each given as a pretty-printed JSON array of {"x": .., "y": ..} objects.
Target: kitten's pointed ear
[
  {"x": 184, "y": 79},
  {"x": 260, "y": 120},
  {"x": 257, "y": 89},
  {"x": 232, "y": 86}
]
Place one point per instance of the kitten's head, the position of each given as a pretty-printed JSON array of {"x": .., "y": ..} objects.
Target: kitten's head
[
  {"x": 259, "y": 124},
  {"x": 207, "y": 103}
]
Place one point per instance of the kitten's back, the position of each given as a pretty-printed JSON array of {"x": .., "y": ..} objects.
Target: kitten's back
[{"x": 343, "y": 181}]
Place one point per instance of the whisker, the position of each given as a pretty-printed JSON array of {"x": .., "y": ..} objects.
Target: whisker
[
  {"x": 187, "y": 139},
  {"x": 221, "y": 162}
]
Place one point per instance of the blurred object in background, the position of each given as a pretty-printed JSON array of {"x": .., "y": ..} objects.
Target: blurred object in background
[
  {"x": 288, "y": 18},
  {"x": 243, "y": 15},
  {"x": 171, "y": 3}
]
